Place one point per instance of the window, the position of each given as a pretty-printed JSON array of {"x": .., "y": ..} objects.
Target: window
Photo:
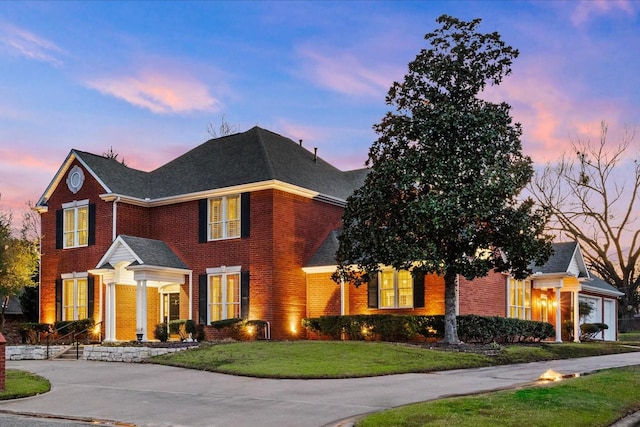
[
  {"x": 75, "y": 298},
  {"x": 224, "y": 217},
  {"x": 76, "y": 226},
  {"x": 224, "y": 294},
  {"x": 395, "y": 288},
  {"x": 520, "y": 299}
]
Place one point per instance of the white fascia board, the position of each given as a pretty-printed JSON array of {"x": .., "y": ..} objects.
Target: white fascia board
[
  {"x": 219, "y": 192},
  {"x": 58, "y": 177},
  {"x": 113, "y": 248},
  {"x": 595, "y": 290},
  {"x": 320, "y": 269}
]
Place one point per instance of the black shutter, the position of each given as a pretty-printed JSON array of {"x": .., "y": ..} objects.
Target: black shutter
[
  {"x": 58, "y": 300},
  {"x": 418, "y": 288},
  {"x": 90, "y": 296},
  {"x": 92, "y": 225},
  {"x": 244, "y": 295},
  {"x": 202, "y": 299},
  {"x": 245, "y": 214},
  {"x": 372, "y": 291},
  {"x": 202, "y": 220},
  {"x": 59, "y": 228}
]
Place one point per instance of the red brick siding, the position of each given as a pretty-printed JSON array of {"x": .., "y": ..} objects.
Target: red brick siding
[
  {"x": 55, "y": 262},
  {"x": 485, "y": 296},
  {"x": 323, "y": 295},
  {"x": 126, "y": 312}
]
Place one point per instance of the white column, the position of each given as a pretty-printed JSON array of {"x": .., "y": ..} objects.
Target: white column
[
  {"x": 558, "y": 317},
  {"x": 342, "y": 298},
  {"x": 576, "y": 316},
  {"x": 110, "y": 313},
  {"x": 141, "y": 308}
]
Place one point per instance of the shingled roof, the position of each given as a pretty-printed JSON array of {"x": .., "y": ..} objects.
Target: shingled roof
[
  {"x": 561, "y": 260},
  {"x": 152, "y": 252},
  {"x": 254, "y": 156}
]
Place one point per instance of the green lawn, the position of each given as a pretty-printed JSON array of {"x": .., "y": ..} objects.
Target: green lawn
[
  {"x": 630, "y": 336},
  {"x": 594, "y": 400},
  {"x": 23, "y": 384},
  {"x": 317, "y": 359}
]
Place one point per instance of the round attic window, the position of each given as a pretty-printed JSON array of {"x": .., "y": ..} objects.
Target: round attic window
[{"x": 75, "y": 179}]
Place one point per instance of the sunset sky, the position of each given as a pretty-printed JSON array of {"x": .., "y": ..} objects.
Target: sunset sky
[{"x": 147, "y": 78}]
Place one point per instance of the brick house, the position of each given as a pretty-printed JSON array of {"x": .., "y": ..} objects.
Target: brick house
[{"x": 243, "y": 226}]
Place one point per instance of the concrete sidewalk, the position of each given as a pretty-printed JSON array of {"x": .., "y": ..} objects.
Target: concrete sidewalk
[{"x": 158, "y": 396}]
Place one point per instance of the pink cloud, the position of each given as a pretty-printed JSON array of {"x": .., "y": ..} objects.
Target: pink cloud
[
  {"x": 550, "y": 111},
  {"x": 585, "y": 10},
  {"x": 26, "y": 44},
  {"x": 344, "y": 73},
  {"x": 160, "y": 93}
]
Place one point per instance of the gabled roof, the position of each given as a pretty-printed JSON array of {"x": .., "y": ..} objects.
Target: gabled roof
[
  {"x": 254, "y": 156},
  {"x": 326, "y": 253},
  {"x": 147, "y": 252},
  {"x": 599, "y": 285},
  {"x": 566, "y": 258}
]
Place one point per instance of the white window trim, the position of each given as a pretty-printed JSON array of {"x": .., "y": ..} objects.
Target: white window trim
[
  {"x": 222, "y": 271},
  {"x": 224, "y": 221},
  {"x": 526, "y": 310},
  {"x": 396, "y": 295},
  {"x": 76, "y": 235},
  {"x": 67, "y": 277}
]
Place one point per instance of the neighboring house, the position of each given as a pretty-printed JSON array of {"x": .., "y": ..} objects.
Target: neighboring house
[{"x": 243, "y": 226}]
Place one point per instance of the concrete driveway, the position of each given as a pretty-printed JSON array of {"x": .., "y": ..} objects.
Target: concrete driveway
[{"x": 159, "y": 396}]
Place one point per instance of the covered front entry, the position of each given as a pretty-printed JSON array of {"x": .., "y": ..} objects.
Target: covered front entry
[{"x": 143, "y": 283}]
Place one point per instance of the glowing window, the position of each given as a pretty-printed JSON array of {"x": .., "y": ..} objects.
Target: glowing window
[
  {"x": 74, "y": 299},
  {"x": 76, "y": 227},
  {"x": 224, "y": 296},
  {"x": 224, "y": 217},
  {"x": 395, "y": 289},
  {"x": 520, "y": 299}
]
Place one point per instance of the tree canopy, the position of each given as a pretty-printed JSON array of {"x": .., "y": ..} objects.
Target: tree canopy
[
  {"x": 445, "y": 173},
  {"x": 18, "y": 260}
]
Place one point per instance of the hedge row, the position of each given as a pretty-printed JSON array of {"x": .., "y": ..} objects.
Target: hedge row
[{"x": 388, "y": 327}]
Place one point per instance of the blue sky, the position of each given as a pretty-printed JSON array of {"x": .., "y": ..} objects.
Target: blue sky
[{"x": 147, "y": 78}]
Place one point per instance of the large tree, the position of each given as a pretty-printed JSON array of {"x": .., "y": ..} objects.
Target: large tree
[
  {"x": 18, "y": 261},
  {"x": 592, "y": 194},
  {"x": 445, "y": 173}
]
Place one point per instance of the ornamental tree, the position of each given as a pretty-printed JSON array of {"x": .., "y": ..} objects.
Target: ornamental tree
[{"x": 445, "y": 174}]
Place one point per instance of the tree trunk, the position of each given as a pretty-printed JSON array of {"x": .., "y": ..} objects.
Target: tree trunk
[
  {"x": 450, "y": 298},
  {"x": 5, "y": 303}
]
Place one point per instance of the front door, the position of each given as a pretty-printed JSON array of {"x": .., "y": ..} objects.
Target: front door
[{"x": 171, "y": 307}]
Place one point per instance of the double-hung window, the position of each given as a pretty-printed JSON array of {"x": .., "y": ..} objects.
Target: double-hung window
[
  {"x": 76, "y": 225},
  {"x": 395, "y": 288},
  {"x": 224, "y": 293},
  {"x": 520, "y": 299},
  {"x": 75, "y": 297},
  {"x": 224, "y": 217}
]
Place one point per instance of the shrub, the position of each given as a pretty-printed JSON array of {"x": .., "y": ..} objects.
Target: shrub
[
  {"x": 161, "y": 332},
  {"x": 588, "y": 331},
  {"x": 387, "y": 327}
]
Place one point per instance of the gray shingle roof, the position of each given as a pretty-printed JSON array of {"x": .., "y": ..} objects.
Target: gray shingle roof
[
  {"x": 153, "y": 252},
  {"x": 326, "y": 253},
  {"x": 597, "y": 282},
  {"x": 560, "y": 259},
  {"x": 253, "y": 156}
]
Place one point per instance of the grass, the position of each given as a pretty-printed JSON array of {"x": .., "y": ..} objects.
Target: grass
[
  {"x": 630, "y": 336},
  {"x": 599, "y": 399},
  {"x": 317, "y": 359},
  {"x": 23, "y": 384}
]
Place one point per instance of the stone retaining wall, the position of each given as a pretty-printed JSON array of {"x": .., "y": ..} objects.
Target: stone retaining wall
[
  {"x": 126, "y": 354},
  {"x": 32, "y": 352}
]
